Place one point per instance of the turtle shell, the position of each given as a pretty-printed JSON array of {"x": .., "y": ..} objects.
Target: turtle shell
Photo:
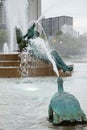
[{"x": 66, "y": 106}]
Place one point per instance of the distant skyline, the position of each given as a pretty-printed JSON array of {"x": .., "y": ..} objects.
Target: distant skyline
[{"x": 74, "y": 8}]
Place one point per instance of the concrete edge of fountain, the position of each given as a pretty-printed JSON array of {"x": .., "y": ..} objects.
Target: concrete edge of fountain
[{"x": 10, "y": 67}]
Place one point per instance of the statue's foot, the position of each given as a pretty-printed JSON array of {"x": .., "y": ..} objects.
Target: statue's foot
[
  {"x": 64, "y": 70},
  {"x": 70, "y": 68}
]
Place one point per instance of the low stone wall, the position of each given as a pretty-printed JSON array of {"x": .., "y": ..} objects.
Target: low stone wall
[{"x": 10, "y": 67}]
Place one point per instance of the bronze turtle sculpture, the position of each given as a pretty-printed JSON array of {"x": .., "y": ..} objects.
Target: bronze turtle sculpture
[{"x": 64, "y": 107}]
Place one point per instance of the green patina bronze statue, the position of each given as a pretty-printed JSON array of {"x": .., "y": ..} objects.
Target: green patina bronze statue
[
  {"x": 31, "y": 33},
  {"x": 23, "y": 41},
  {"x": 64, "y": 107},
  {"x": 60, "y": 63}
]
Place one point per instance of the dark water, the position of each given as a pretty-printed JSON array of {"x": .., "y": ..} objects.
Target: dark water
[{"x": 24, "y": 102}]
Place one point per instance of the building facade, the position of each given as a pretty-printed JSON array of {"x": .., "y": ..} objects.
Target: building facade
[
  {"x": 33, "y": 11},
  {"x": 2, "y": 14},
  {"x": 53, "y": 25}
]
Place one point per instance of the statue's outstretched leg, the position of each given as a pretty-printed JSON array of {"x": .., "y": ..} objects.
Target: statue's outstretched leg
[
  {"x": 59, "y": 62},
  {"x": 58, "y": 58}
]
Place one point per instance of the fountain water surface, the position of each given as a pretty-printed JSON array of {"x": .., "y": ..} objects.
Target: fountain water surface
[{"x": 24, "y": 102}]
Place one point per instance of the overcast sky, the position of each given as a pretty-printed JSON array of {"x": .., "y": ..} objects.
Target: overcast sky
[{"x": 75, "y": 8}]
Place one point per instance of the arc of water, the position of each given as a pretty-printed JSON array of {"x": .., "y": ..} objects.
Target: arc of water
[
  {"x": 46, "y": 46},
  {"x": 51, "y": 59}
]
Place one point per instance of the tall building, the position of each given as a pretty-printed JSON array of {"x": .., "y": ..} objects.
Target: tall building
[
  {"x": 47, "y": 26},
  {"x": 55, "y": 24},
  {"x": 33, "y": 11},
  {"x": 65, "y": 20},
  {"x": 2, "y": 14}
]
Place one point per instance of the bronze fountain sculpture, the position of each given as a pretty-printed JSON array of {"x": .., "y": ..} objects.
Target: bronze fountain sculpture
[
  {"x": 63, "y": 106},
  {"x": 23, "y": 41}
]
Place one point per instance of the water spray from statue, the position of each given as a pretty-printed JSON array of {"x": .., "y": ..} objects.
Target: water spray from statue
[{"x": 40, "y": 49}]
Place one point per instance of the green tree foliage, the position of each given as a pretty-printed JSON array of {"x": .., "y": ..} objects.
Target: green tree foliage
[{"x": 67, "y": 45}]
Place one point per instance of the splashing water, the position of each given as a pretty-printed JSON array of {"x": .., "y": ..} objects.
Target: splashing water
[
  {"x": 44, "y": 44},
  {"x": 16, "y": 12},
  {"x": 17, "y": 17},
  {"x": 42, "y": 50}
]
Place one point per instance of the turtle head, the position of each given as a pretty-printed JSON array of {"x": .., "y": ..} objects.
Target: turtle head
[{"x": 60, "y": 84}]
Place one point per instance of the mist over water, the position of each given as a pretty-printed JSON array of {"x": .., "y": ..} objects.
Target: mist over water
[
  {"x": 16, "y": 12},
  {"x": 69, "y": 44}
]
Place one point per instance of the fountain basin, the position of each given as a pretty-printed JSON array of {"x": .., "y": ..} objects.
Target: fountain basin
[
  {"x": 10, "y": 67},
  {"x": 24, "y": 101}
]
